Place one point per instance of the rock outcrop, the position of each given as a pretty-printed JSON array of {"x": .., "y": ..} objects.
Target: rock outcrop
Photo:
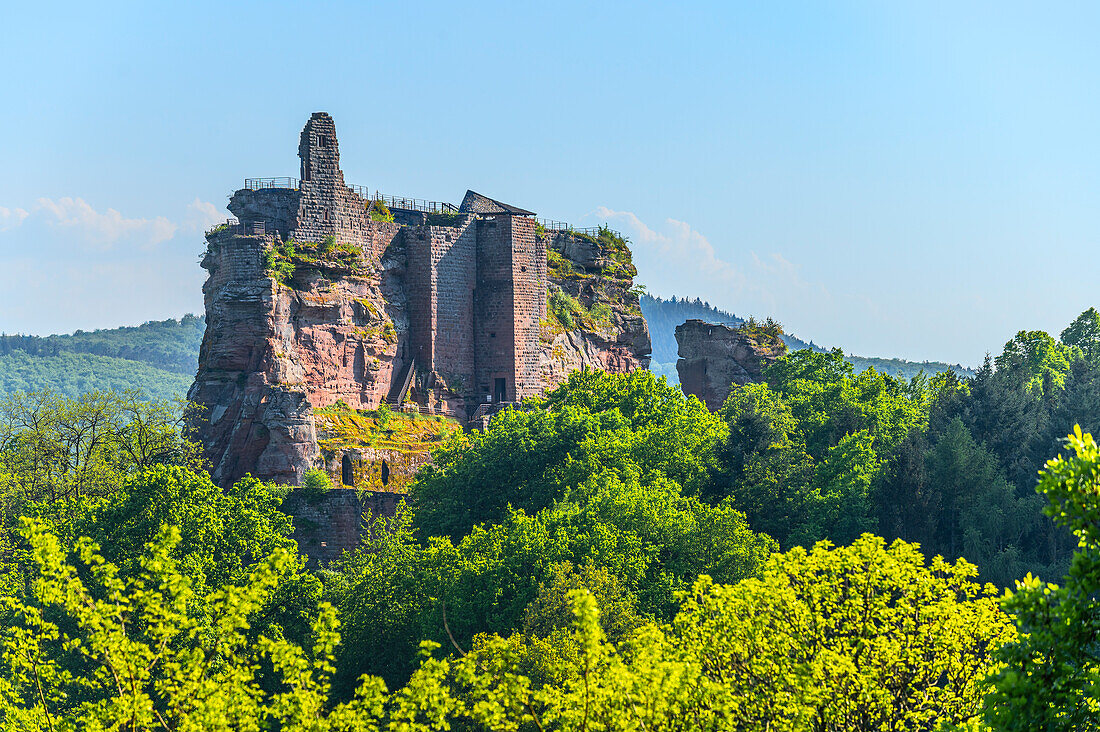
[
  {"x": 321, "y": 300},
  {"x": 715, "y": 358},
  {"x": 594, "y": 317}
]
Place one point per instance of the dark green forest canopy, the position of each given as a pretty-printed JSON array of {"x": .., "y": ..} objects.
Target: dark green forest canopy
[{"x": 172, "y": 345}]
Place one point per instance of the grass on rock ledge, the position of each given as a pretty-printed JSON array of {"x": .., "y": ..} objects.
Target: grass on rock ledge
[{"x": 340, "y": 427}]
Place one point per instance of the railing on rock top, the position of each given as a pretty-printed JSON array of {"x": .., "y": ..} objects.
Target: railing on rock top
[
  {"x": 258, "y": 184},
  {"x": 561, "y": 226},
  {"x": 255, "y": 228},
  {"x": 412, "y": 204}
]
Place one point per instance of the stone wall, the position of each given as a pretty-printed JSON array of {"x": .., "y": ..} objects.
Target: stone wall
[
  {"x": 276, "y": 208},
  {"x": 374, "y": 469},
  {"x": 528, "y": 304},
  {"x": 467, "y": 301},
  {"x": 441, "y": 282},
  {"x": 328, "y": 524},
  {"x": 494, "y": 323},
  {"x": 327, "y": 207}
]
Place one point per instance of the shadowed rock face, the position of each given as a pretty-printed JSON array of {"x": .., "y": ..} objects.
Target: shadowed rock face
[{"x": 714, "y": 358}]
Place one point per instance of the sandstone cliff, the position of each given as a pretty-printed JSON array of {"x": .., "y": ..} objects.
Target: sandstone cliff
[
  {"x": 714, "y": 358},
  {"x": 321, "y": 303},
  {"x": 594, "y": 317}
]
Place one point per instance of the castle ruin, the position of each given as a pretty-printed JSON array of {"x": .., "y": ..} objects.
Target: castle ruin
[{"x": 324, "y": 300}]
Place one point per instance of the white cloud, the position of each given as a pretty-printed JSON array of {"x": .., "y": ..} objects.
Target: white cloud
[
  {"x": 201, "y": 215},
  {"x": 11, "y": 217},
  {"x": 103, "y": 229},
  {"x": 677, "y": 259},
  {"x": 681, "y": 244}
]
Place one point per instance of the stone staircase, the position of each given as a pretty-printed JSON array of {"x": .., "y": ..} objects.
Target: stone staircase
[{"x": 400, "y": 389}]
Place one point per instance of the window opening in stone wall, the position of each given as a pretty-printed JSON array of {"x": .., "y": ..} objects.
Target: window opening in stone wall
[
  {"x": 501, "y": 390},
  {"x": 328, "y": 215},
  {"x": 522, "y": 269},
  {"x": 385, "y": 473},
  {"x": 492, "y": 335},
  {"x": 322, "y": 140},
  {"x": 347, "y": 476}
]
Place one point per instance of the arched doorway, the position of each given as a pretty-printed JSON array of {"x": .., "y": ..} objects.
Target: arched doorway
[{"x": 347, "y": 472}]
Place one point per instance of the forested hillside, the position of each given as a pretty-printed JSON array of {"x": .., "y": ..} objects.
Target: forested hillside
[
  {"x": 664, "y": 315},
  {"x": 611, "y": 556},
  {"x": 158, "y": 358}
]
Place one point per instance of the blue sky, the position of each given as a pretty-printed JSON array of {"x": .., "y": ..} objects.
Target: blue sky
[{"x": 900, "y": 179}]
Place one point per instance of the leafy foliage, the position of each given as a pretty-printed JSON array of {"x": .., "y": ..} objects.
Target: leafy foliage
[
  {"x": 629, "y": 425},
  {"x": 145, "y": 662},
  {"x": 171, "y": 345},
  {"x": 653, "y": 540},
  {"x": 158, "y": 359},
  {"x": 1050, "y": 676}
]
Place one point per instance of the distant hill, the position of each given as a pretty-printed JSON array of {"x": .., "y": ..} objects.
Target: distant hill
[
  {"x": 159, "y": 358},
  {"x": 664, "y": 315}
]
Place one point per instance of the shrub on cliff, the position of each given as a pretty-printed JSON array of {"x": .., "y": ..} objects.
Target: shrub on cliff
[{"x": 315, "y": 484}]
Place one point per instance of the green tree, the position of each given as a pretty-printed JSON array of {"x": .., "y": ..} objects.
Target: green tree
[
  {"x": 148, "y": 663},
  {"x": 830, "y": 403},
  {"x": 651, "y": 540},
  {"x": 863, "y": 638},
  {"x": 1050, "y": 675},
  {"x": 221, "y": 532},
  {"x": 1084, "y": 333},
  {"x": 763, "y": 468},
  {"x": 633, "y": 425},
  {"x": 57, "y": 452},
  {"x": 1036, "y": 359},
  {"x": 838, "y": 504}
]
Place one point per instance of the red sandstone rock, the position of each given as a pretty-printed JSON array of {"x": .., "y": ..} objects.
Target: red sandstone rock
[
  {"x": 715, "y": 358},
  {"x": 362, "y": 301}
]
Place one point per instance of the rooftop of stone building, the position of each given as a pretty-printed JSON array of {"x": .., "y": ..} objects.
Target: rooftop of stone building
[{"x": 474, "y": 202}]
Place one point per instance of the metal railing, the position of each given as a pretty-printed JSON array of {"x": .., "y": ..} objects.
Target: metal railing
[
  {"x": 228, "y": 224},
  {"x": 256, "y": 184},
  {"x": 551, "y": 225},
  {"x": 409, "y": 204},
  {"x": 254, "y": 228},
  {"x": 412, "y": 204}
]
